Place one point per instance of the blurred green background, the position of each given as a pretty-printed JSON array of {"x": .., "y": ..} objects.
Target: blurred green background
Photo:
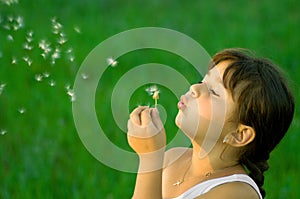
[{"x": 41, "y": 155}]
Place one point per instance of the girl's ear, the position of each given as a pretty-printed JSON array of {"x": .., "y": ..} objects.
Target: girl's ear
[{"x": 243, "y": 136}]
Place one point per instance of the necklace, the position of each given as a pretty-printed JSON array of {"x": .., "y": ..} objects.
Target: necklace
[{"x": 180, "y": 181}]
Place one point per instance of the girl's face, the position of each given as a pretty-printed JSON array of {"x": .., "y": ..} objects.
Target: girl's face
[{"x": 205, "y": 109}]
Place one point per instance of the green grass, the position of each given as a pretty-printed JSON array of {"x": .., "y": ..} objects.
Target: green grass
[{"x": 41, "y": 155}]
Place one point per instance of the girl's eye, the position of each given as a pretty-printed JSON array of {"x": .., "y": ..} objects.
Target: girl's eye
[{"x": 214, "y": 92}]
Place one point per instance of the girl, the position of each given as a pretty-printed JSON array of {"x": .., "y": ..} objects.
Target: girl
[{"x": 249, "y": 99}]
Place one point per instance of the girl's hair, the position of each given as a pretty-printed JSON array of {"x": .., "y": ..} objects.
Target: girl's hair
[{"x": 264, "y": 102}]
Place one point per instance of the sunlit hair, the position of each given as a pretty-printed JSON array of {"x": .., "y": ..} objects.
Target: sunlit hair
[{"x": 264, "y": 102}]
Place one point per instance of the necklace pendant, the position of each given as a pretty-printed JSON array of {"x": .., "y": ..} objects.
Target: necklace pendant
[{"x": 178, "y": 183}]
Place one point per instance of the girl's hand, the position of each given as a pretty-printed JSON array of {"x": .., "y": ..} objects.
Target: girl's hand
[{"x": 146, "y": 133}]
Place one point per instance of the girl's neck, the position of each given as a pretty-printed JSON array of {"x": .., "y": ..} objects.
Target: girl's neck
[{"x": 211, "y": 162}]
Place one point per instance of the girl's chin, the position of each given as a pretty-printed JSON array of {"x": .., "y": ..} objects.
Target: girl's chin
[{"x": 178, "y": 119}]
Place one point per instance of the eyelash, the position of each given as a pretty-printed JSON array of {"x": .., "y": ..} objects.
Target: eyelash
[{"x": 211, "y": 90}]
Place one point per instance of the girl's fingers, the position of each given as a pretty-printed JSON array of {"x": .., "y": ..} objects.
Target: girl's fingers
[
  {"x": 145, "y": 117},
  {"x": 135, "y": 115},
  {"x": 156, "y": 119}
]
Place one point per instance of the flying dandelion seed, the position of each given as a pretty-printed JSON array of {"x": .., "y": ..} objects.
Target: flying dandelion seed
[
  {"x": 45, "y": 46},
  {"x": 2, "y": 87},
  {"x": 71, "y": 93},
  {"x": 71, "y": 58},
  {"x": 84, "y": 76},
  {"x": 22, "y": 110},
  {"x": 62, "y": 40},
  {"x": 19, "y": 22},
  {"x": 38, "y": 77},
  {"x": 27, "y": 60},
  {"x": 111, "y": 62},
  {"x": 77, "y": 29},
  {"x": 67, "y": 87},
  {"x": 30, "y": 33},
  {"x": 3, "y": 131},
  {"x": 154, "y": 92},
  {"x": 46, "y": 74},
  {"x": 6, "y": 26},
  {"x": 69, "y": 50},
  {"x": 9, "y": 2},
  {"x": 14, "y": 60},
  {"x": 10, "y": 38},
  {"x": 52, "y": 83},
  {"x": 26, "y": 46}
]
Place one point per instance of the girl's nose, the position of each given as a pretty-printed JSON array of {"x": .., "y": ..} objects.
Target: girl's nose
[{"x": 195, "y": 90}]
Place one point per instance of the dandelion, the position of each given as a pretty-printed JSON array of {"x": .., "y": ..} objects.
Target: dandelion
[
  {"x": 22, "y": 110},
  {"x": 52, "y": 83},
  {"x": 111, "y": 62},
  {"x": 38, "y": 77},
  {"x": 3, "y": 131},
  {"x": 154, "y": 92}
]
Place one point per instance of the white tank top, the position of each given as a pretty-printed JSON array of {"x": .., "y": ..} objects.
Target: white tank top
[{"x": 205, "y": 186}]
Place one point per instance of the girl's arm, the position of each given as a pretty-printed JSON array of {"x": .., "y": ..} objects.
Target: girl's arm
[{"x": 147, "y": 138}]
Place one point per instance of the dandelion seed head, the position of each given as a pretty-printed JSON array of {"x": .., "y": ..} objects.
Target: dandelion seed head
[
  {"x": 151, "y": 89},
  {"x": 110, "y": 61}
]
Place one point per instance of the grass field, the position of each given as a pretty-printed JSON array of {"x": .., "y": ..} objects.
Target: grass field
[{"x": 41, "y": 154}]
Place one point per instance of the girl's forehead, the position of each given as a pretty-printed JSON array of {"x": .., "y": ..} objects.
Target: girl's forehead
[{"x": 216, "y": 73}]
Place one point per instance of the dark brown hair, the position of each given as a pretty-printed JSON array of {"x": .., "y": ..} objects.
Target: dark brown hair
[{"x": 264, "y": 102}]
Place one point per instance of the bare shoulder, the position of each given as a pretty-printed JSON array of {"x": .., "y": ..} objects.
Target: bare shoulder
[
  {"x": 232, "y": 190},
  {"x": 174, "y": 154}
]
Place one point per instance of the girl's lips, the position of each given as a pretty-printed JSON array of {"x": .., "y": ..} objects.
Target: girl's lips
[{"x": 181, "y": 104}]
